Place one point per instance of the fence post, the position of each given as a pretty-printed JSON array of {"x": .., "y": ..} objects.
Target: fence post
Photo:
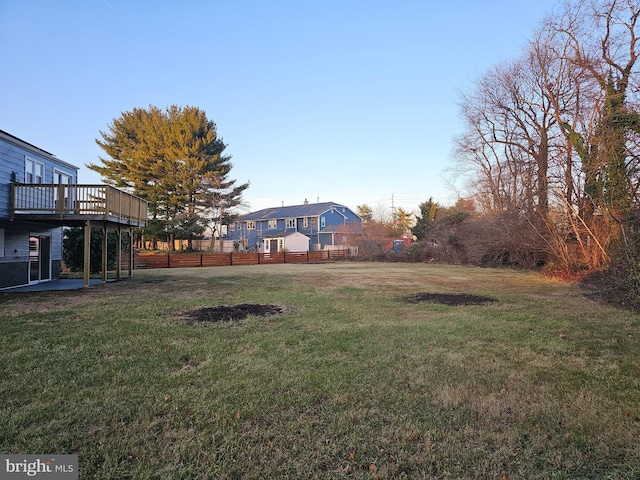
[
  {"x": 258, "y": 253},
  {"x": 200, "y": 259},
  {"x": 328, "y": 254},
  {"x": 168, "y": 260},
  {"x": 307, "y": 256},
  {"x": 231, "y": 259},
  {"x": 284, "y": 256}
]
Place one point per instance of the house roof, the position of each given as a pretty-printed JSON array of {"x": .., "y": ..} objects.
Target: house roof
[{"x": 294, "y": 211}]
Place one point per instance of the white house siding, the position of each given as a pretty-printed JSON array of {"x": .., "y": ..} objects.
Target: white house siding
[
  {"x": 293, "y": 242},
  {"x": 296, "y": 242}
]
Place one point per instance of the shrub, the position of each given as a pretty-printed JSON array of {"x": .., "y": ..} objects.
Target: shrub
[{"x": 73, "y": 249}]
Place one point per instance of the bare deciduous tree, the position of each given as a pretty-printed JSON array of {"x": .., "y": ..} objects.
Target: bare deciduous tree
[{"x": 552, "y": 139}]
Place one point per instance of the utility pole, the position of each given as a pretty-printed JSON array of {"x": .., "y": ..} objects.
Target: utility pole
[{"x": 393, "y": 211}]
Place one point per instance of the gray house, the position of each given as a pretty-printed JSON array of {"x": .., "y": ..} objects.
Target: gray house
[{"x": 39, "y": 195}]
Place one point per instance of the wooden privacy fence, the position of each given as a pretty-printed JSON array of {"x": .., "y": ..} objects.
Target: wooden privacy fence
[{"x": 180, "y": 260}]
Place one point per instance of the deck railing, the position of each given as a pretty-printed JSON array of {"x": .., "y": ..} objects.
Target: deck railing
[{"x": 74, "y": 201}]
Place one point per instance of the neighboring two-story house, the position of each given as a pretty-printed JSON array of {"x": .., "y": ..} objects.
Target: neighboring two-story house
[
  {"x": 39, "y": 196},
  {"x": 298, "y": 228}
]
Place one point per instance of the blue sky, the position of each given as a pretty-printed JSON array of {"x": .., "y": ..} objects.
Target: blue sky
[{"x": 349, "y": 101}]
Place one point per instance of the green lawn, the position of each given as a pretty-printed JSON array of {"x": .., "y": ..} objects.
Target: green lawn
[{"x": 350, "y": 382}]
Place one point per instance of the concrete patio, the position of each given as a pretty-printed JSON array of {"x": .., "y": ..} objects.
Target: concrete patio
[{"x": 54, "y": 285}]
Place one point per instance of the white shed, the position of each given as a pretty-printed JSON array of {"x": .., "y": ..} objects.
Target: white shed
[{"x": 291, "y": 242}]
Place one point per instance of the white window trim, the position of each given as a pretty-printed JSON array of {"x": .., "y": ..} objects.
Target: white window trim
[
  {"x": 251, "y": 225},
  {"x": 305, "y": 222},
  {"x": 273, "y": 224},
  {"x": 58, "y": 173},
  {"x": 291, "y": 223},
  {"x": 323, "y": 222},
  {"x": 35, "y": 163}
]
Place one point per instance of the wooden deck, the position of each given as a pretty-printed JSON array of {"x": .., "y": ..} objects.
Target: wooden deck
[{"x": 73, "y": 205}]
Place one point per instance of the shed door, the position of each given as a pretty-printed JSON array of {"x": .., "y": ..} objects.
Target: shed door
[{"x": 273, "y": 246}]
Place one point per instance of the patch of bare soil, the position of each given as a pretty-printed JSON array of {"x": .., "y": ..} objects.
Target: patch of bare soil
[
  {"x": 231, "y": 313},
  {"x": 451, "y": 299},
  {"x": 616, "y": 286}
]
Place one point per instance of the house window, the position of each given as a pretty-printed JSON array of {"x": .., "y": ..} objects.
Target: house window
[
  {"x": 291, "y": 223},
  {"x": 273, "y": 224},
  {"x": 305, "y": 222},
  {"x": 323, "y": 222},
  {"x": 62, "y": 178},
  {"x": 33, "y": 171},
  {"x": 251, "y": 225},
  {"x": 1, "y": 242}
]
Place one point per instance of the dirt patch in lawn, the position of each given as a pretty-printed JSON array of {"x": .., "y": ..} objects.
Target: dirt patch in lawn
[
  {"x": 452, "y": 299},
  {"x": 231, "y": 313}
]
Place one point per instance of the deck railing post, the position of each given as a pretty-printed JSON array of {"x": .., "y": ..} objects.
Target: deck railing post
[
  {"x": 107, "y": 202},
  {"x": 60, "y": 200}
]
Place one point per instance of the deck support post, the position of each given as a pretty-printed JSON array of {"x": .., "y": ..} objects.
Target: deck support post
[
  {"x": 105, "y": 251},
  {"x": 119, "y": 252},
  {"x": 131, "y": 254},
  {"x": 87, "y": 252}
]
